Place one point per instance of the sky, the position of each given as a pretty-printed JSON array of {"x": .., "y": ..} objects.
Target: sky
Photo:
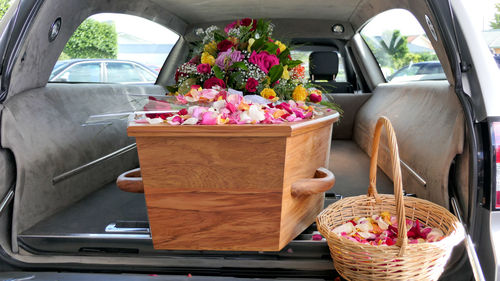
[
  {"x": 140, "y": 28},
  {"x": 482, "y": 12}
]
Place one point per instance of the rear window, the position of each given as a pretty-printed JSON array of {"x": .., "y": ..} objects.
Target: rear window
[
  {"x": 401, "y": 47},
  {"x": 303, "y": 55}
]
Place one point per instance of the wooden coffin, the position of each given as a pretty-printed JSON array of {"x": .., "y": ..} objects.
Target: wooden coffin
[{"x": 229, "y": 187}]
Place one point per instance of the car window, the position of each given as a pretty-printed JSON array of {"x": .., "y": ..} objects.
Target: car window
[
  {"x": 401, "y": 47},
  {"x": 132, "y": 48},
  {"x": 81, "y": 72},
  {"x": 303, "y": 55},
  {"x": 122, "y": 72}
]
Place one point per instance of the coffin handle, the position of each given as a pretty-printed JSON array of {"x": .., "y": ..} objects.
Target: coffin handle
[
  {"x": 323, "y": 180},
  {"x": 131, "y": 181}
]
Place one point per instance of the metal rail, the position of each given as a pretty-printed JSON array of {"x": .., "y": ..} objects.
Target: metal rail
[
  {"x": 414, "y": 174},
  {"x": 89, "y": 165}
]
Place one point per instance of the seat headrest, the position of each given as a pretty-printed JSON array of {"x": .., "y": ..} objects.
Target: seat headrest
[{"x": 323, "y": 65}]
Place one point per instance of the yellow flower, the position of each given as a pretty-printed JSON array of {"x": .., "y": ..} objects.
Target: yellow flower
[
  {"x": 207, "y": 58},
  {"x": 299, "y": 93},
  {"x": 316, "y": 92},
  {"x": 278, "y": 113},
  {"x": 285, "y": 74},
  {"x": 210, "y": 48},
  {"x": 281, "y": 46},
  {"x": 269, "y": 94},
  {"x": 250, "y": 43}
]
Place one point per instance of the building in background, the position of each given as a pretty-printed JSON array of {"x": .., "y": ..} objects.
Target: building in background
[
  {"x": 492, "y": 38},
  {"x": 137, "y": 49}
]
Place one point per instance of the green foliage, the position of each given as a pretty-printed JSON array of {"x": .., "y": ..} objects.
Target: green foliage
[
  {"x": 391, "y": 50},
  {"x": 275, "y": 73},
  {"x": 218, "y": 72},
  {"x": 495, "y": 24},
  {"x": 93, "y": 39},
  {"x": 63, "y": 56},
  {"x": 4, "y": 6}
]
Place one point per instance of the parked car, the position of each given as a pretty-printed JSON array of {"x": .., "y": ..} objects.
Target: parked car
[
  {"x": 428, "y": 70},
  {"x": 62, "y": 216},
  {"x": 102, "y": 71}
]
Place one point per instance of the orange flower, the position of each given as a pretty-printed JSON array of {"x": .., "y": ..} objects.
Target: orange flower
[{"x": 298, "y": 72}]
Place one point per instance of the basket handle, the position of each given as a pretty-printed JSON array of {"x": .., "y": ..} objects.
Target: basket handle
[
  {"x": 131, "y": 181},
  {"x": 323, "y": 180},
  {"x": 397, "y": 179}
]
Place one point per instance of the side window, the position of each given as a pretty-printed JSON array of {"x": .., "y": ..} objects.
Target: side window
[
  {"x": 401, "y": 47},
  {"x": 81, "y": 72},
  {"x": 114, "y": 48},
  {"x": 123, "y": 72}
]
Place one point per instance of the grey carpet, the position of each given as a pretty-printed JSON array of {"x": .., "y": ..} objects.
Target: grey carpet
[
  {"x": 93, "y": 213},
  {"x": 351, "y": 167}
]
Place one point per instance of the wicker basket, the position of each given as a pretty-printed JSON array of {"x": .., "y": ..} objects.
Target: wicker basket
[{"x": 403, "y": 261}]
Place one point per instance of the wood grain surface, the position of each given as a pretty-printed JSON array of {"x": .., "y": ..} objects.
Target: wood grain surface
[
  {"x": 304, "y": 154},
  {"x": 230, "y": 191}
]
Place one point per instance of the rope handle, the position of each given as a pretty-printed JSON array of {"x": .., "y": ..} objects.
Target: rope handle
[{"x": 397, "y": 179}]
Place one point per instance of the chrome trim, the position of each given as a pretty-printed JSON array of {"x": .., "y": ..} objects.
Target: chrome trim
[
  {"x": 82, "y": 168},
  {"x": 414, "y": 174},
  {"x": 471, "y": 251},
  {"x": 89, "y": 235},
  {"x": 132, "y": 230},
  {"x": 6, "y": 200}
]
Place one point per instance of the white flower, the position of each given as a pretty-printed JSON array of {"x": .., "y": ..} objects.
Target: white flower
[
  {"x": 218, "y": 105},
  {"x": 382, "y": 224},
  {"x": 364, "y": 226},
  {"x": 256, "y": 113},
  {"x": 190, "y": 121},
  {"x": 154, "y": 121},
  {"x": 434, "y": 235},
  {"x": 245, "y": 118},
  {"x": 348, "y": 228}
]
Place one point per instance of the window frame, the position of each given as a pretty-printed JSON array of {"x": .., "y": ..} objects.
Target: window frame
[
  {"x": 375, "y": 59},
  {"x": 72, "y": 65}
]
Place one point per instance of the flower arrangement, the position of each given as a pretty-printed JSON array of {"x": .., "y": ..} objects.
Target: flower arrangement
[
  {"x": 227, "y": 108},
  {"x": 244, "y": 57},
  {"x": 382, "y": 230}
]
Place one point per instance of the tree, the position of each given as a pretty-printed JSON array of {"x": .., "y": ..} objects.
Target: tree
[
  {"x": 93, "y": 40},
  {"x": 4, "y": 5},
  {"x": 495, "y": 24},
  {"x": 395, "y": 45}
]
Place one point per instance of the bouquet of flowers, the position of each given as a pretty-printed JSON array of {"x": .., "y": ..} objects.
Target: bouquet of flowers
[{"x": 244, "y": 57}]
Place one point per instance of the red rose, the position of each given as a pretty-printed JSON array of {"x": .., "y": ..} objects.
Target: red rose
[
  {"x": 224, "y": 45},
  {"x": 248, "y": 22},
  {"x": 183, "y": 112},
  {"x": 204, "y": 68},
  {"x": 315, "y": 98},
  {"x": 214, "y": 81},
  {"x": 177, "y": 74},
  {"x": 230, "y": 26},
  {"x": 251, "y": 85}
]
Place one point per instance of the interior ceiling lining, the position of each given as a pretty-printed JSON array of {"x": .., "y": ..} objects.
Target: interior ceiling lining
[{"x": 193, "y": 12}]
